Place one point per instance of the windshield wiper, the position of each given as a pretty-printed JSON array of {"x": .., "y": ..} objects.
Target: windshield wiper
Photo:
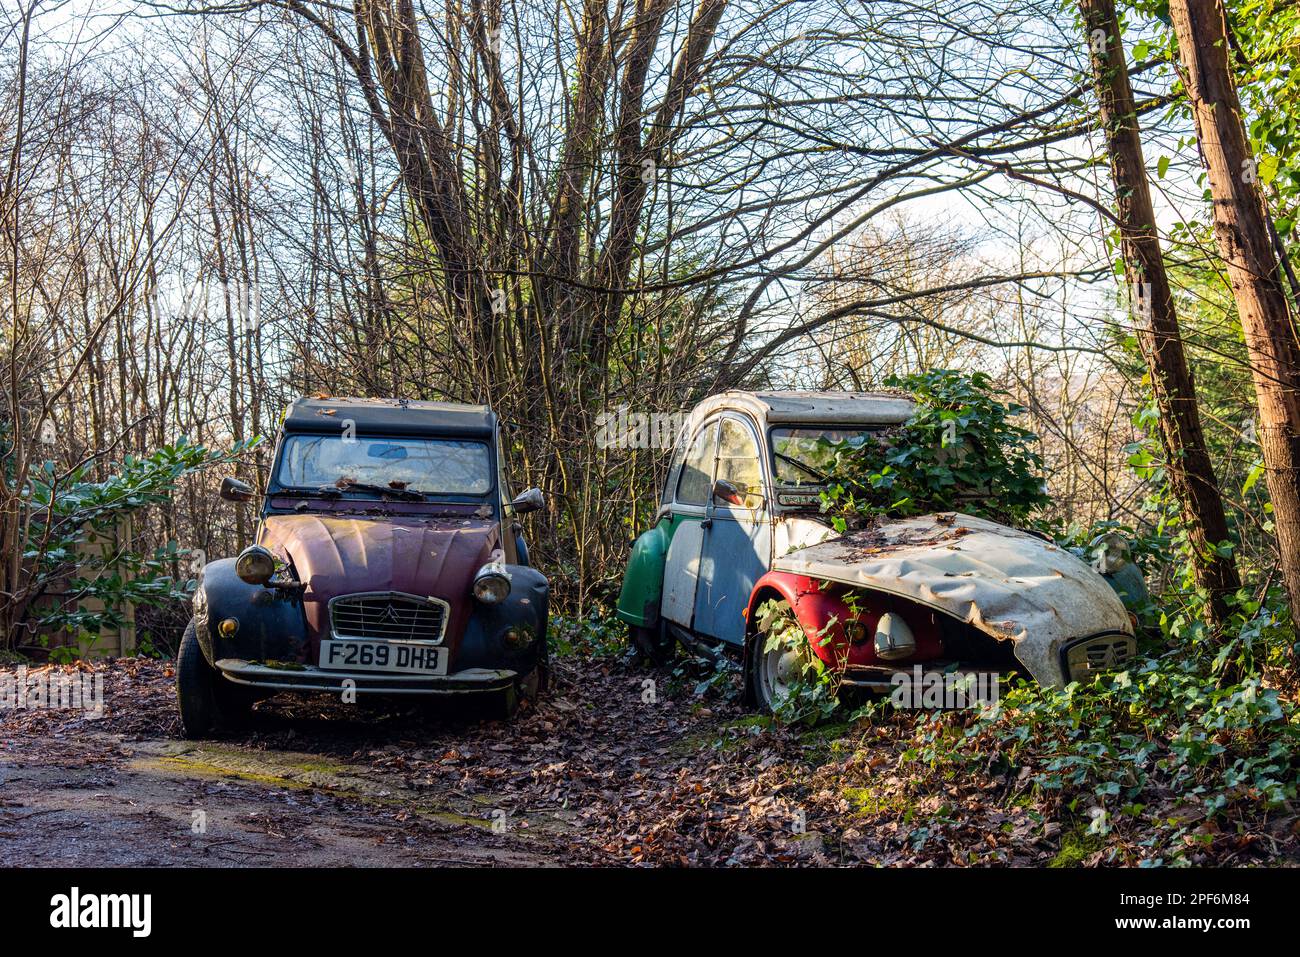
[
  {"x": 806, "y": 468},
  {"x": 410, "y": 495},
  {"x": 323, "y": 491}
]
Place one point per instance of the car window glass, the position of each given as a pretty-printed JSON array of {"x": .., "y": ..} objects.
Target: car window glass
[
  {"x": 809, "y": 455},
  {"x": 697, "y": 472},
  {"x": 674, "y": 469},
  {"x": 738, "y": 456},
  {"x": 433, "y": 466}
]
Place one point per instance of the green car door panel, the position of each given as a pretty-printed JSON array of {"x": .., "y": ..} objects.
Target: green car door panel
[{"x": 638, "y": 602}]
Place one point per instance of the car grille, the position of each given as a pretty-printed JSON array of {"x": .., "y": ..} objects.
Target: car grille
[
  {"x": 1095, "y": 655},
  {"x": 388, "y": 616}
]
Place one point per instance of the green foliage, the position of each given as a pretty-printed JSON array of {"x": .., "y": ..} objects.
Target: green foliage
[
  {"x": 1158, "y": 754},
  {"x": 74, "y": 529},
  {"x": 960, "y": 450},
  {"x": 813, "y": 694},
  {"x": 599, "y": 635},
  {"x": 1164, "y": 757},
  {"x": 1268, "y": 34}
]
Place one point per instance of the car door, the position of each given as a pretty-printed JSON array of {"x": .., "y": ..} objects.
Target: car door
[
  {"x": 689, "y": 507},
  {"x": 737, "y": 537}
]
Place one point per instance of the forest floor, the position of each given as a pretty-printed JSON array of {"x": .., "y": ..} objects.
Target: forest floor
[{"x": 616, "y": 765}]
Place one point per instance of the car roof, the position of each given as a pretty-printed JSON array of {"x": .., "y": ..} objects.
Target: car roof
[
  {"x": 390, "y": 416},
  {"x": 811, "y": 408}
]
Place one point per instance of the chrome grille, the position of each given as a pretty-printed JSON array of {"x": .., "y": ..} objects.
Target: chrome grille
[
  {"x": 388, "y": 616},
  {"x": 1104, "y": 653}
]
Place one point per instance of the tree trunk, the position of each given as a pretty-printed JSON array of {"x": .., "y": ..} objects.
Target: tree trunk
[
  {"x": 1241, "y": 228},
  {"x": 1190, "y": 471}
]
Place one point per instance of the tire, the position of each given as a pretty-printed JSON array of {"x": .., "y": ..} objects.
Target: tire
[
  {"x": 770, "y": 673},
  {"x": 208, "y": 703},
  {"x": 505, "y": 703},
  {"x": 656, "y": 643}
]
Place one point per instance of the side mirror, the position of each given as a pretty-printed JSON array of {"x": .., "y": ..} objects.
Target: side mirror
[
  {"x": 530, "y": 501},
  {"x": 233, "y": 490},
  {"x": 728, "y": 492}
]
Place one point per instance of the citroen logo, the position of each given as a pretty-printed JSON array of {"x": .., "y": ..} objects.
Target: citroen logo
[{"x": 389, "y": 614}]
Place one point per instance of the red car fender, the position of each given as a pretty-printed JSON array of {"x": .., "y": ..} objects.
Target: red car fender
[
  {"x": 817, "y": 605},
  {"x": 822, "y": 610}
]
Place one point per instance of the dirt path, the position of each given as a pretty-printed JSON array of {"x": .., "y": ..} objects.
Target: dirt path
[
  {"x": 615, "y": 766},
  {"x": 156, "y": 802},
  {"x": 315, "y": 782}
]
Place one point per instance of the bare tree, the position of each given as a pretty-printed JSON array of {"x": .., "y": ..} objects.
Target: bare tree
[
  {"x": 1187, "y": 460},
  {"x": 1241, "y": 228}
]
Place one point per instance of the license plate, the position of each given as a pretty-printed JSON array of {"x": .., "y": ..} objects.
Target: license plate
[{"x": 395, "y": 656}]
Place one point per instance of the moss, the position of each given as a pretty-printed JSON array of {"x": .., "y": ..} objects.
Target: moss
[
  {"x": 826, "y": 741},
  {"x": 298, "y": 772},
  {"x": 866, "y": 802},
  {"x": 192, "y": 766},
  {"x": 750, "y": 721},
  {"x": 1077, "y": 844},
  {"x": 725, "y": 737}
]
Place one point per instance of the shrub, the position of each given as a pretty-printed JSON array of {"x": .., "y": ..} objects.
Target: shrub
[{"x": 960, "y": 450}]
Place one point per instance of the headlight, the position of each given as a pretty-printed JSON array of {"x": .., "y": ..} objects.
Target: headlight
[
  {"x": 894, "y": 640},
  {"x": 491, "y": 584},
  {"x": 255, "y": 565},
  {"x": 856, "y": 631}
]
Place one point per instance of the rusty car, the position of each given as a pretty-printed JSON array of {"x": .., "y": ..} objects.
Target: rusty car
[
  {"x": 740, "y": 523},
  {"x": 388, "y": 561}
]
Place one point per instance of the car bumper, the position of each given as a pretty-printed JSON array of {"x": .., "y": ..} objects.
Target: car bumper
[{"x": 311, "y": 678}]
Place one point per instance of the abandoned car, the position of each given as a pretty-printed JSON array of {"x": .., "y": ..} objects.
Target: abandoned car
[
  {"x": 740, "y": 524},
  {"x": 387, "y": 562}
]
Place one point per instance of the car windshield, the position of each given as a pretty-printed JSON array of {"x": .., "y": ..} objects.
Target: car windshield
[
  {"x": 430, "y": 466},
  {"x": 807, "y": 456}
]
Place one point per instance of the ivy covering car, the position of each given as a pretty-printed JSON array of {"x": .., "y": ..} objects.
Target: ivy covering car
[
  {"x": 387, "y": 561},
  {"x": 741, "y": 540}
]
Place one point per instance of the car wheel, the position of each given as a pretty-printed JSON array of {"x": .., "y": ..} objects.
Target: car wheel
[
  {"x": 774, "y": 672},
  {"x": 656, "y": 642},
  {"x": 205, "y": 705},
  {"x": 505, "y": 702},
  {"x": 527, "y": 687}
]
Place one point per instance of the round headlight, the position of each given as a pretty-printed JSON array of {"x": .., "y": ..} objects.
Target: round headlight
[
  {"x": 491, "y": 584},
  {"x": 255, "y": 565},
  {"x": 856, "y": 631}
]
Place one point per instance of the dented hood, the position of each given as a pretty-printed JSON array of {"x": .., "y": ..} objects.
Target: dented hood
[
  {"x": 1005, "y": 582},
  {"x": 419, "y": 555}
]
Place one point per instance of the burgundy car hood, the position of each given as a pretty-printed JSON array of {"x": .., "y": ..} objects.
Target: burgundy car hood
[{"x": 419, "y": 555}]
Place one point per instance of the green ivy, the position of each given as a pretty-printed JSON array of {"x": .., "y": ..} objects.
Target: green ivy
[
  {"x": 69, "y": 512},
  {"x": 960, "y": 450}
]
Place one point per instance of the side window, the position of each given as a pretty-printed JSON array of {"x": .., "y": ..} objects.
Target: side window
[
  {"x": 738, "y": 456},
  {"x": 696, "y": 481},
  {"x": 503, "y": 486},
  {"x": 674, "y": 470}
]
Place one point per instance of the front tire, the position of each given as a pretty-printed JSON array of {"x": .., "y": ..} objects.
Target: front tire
[
  {"x": 505, "y": 703},
  {"x": 207, "y": 702},
  {"x": 773, "y": 673},
  {"x": 656, "y": 643}
]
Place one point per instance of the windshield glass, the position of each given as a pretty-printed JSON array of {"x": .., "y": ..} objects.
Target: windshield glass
[
  {"x": 431, "y": 466},
  {"x": 807, "y": 456}
]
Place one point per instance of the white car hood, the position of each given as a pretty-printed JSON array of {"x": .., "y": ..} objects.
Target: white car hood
[{"x": 1005, "y": 582}]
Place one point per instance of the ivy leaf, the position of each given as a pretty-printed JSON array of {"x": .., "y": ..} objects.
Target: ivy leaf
[{"x": 1268, "y": 166}]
